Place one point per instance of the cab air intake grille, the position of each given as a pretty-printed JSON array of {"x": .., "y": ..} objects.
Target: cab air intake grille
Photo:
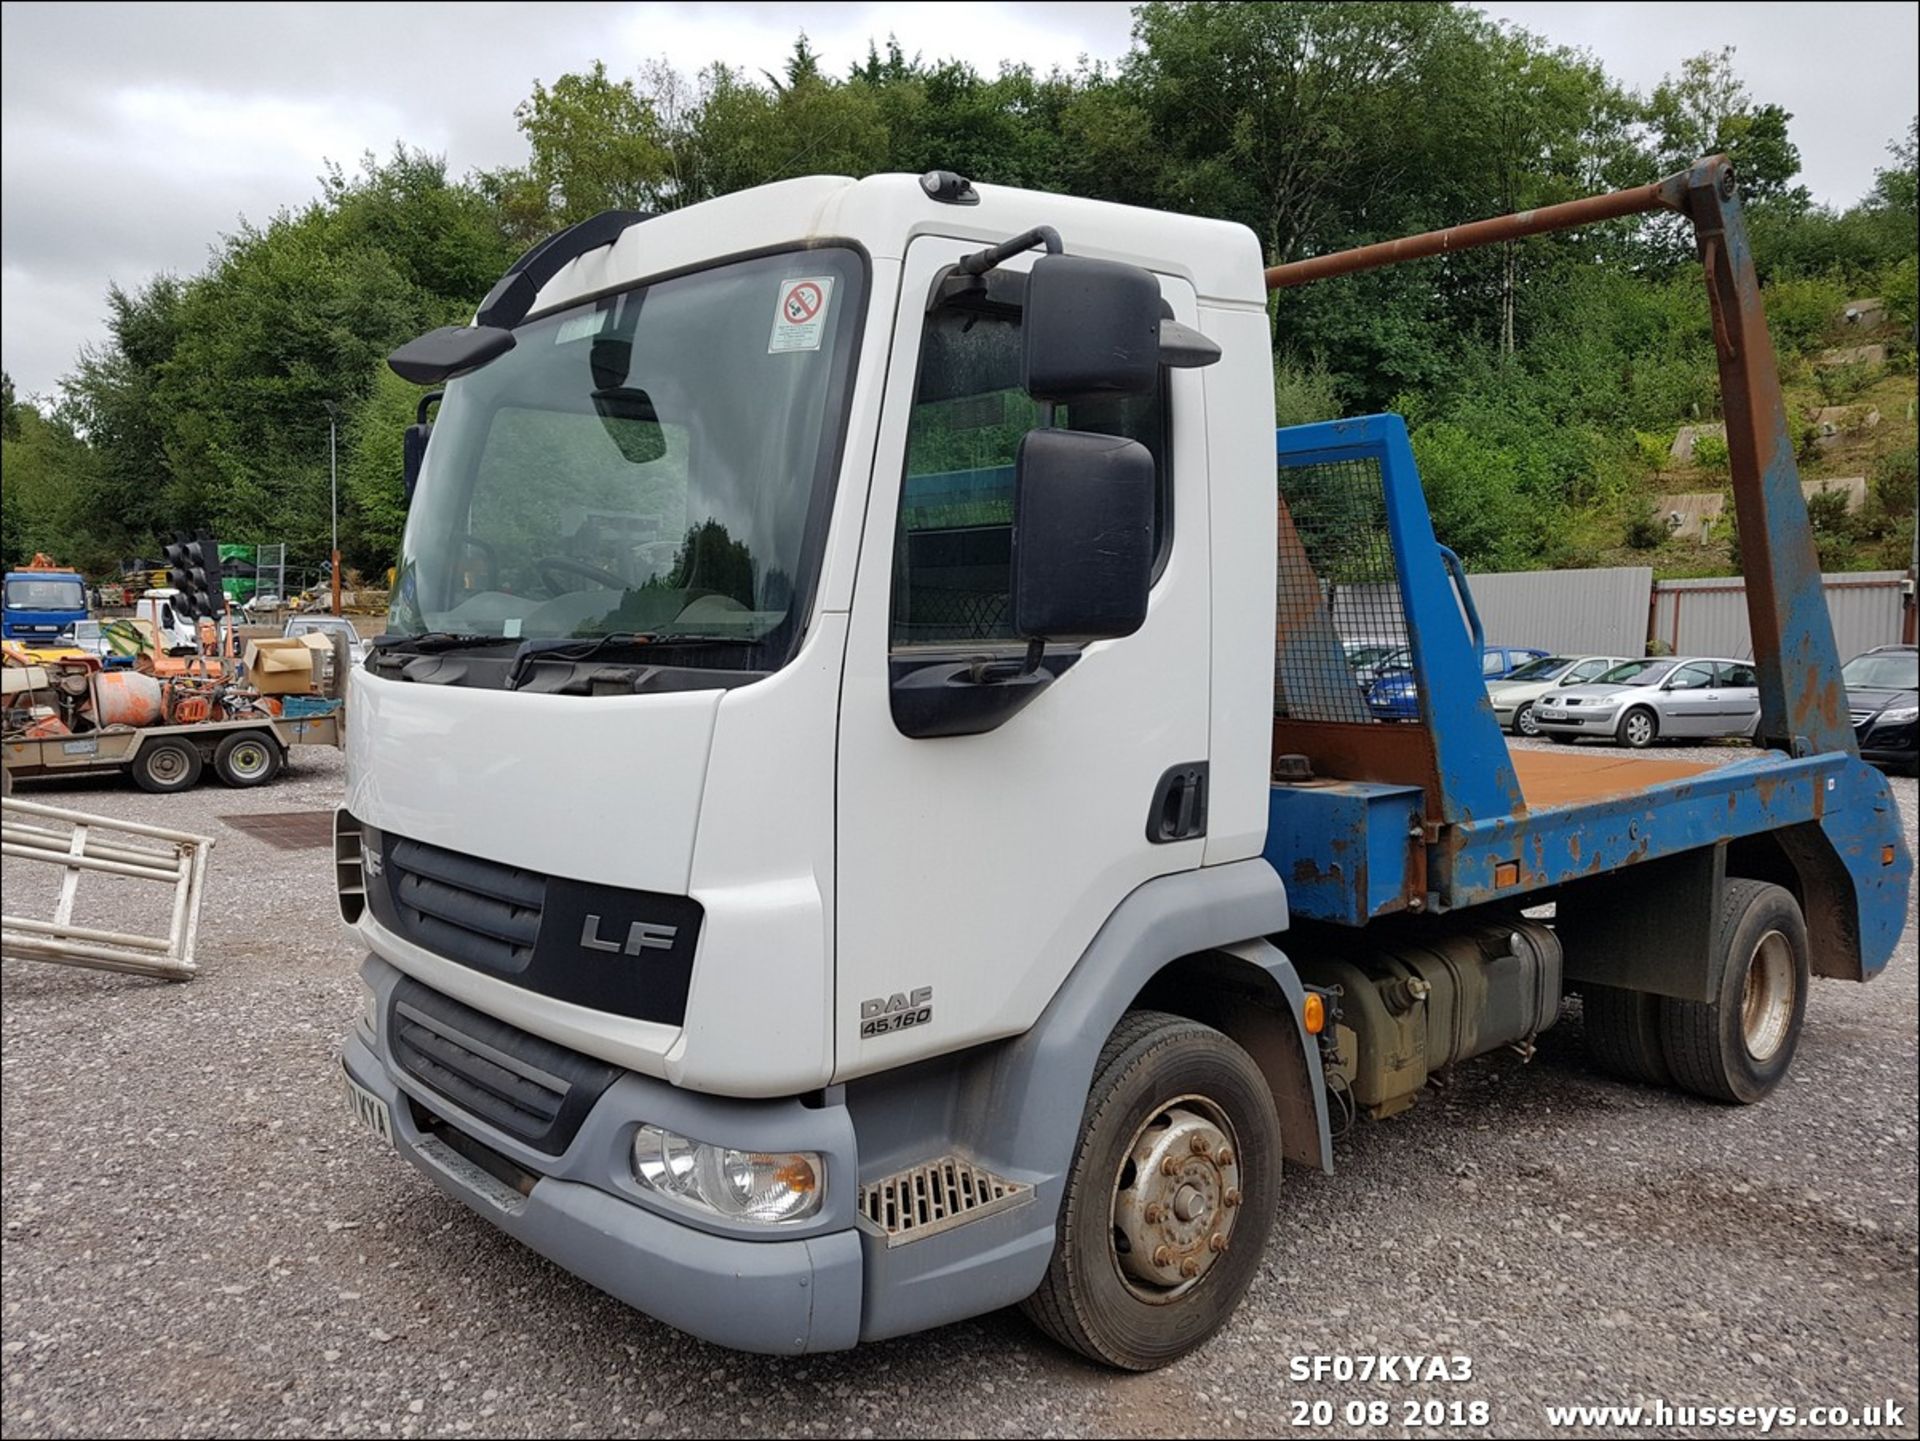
[{"x": 936, "y": 1197}]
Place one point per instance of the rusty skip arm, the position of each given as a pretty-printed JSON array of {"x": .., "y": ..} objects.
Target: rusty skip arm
[{"x": 1803, "y": 709}]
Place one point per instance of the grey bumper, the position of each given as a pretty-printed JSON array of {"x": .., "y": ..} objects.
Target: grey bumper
[{"x": 776, "y": 1297}]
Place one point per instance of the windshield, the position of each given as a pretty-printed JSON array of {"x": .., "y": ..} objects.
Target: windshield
[
  {"x": 66, "y": 593},
  {"x": 1888, "y": 670},
  {"x": 653, "y": 463},
  {"x": 1636, "y": 672},
  {"x": 1548, "y": 667}
]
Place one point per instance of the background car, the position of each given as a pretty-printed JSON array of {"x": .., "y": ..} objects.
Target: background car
[
  {"x": 329, "y": 625},
  {"x": 1641, "y": 701},
  {"x": 1514, "y": 698},
  {"x": 1394, "y": 696},
  {"x": 1883, "y": 699},
  {"x": 1368, "y": 658}
]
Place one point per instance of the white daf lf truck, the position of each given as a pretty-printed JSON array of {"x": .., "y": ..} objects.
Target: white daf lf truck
[{"x": 808, "y": 821}]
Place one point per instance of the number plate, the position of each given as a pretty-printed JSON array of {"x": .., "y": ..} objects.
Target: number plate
[{"x": 368, "y": 1109}]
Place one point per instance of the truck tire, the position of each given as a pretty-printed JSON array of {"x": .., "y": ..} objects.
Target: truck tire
[
  {"x": 1738, "y": 1048},
  {"x": 248, "y": 758},
  {"x": 167, "y": 765},
  {"x": 1623, "y": 1034},
  {"x": 1639, "y": 728},
  {"x": 1169, "y": 1199}
]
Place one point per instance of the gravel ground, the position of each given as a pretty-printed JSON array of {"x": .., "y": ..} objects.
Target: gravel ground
[{"x": 196, "y": 1242}]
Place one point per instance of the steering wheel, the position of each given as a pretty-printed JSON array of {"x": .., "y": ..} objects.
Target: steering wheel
[{"x": 551, "y": 565}]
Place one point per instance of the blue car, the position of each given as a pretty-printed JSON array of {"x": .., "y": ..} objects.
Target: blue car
[{"x": 1394, "y": 697}]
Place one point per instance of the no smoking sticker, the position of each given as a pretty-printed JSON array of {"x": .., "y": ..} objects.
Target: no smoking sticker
[{"x": 800, "y": 317}]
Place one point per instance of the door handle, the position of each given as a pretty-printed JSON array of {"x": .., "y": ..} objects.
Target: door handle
[{"x": 1179, "y": 809}]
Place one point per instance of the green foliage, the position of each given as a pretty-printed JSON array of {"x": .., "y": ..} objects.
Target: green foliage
[
  {"x": 1710, "y": 452},
  {"x": 1646, "y": 527},
  {"x": 1303, "y": 393},
  {"x": 1541, "y": 381},
  {"x": 1842, "y": 384},
  {"x": 1896, "y": 479}
]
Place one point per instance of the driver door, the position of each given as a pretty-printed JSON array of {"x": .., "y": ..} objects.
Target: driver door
[{"x": 976, "y": 868}]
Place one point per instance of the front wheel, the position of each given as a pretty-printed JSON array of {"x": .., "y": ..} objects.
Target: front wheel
[
  {"x": 1170, "y": 1196},
  {"x": 1524, "y": 723},
  {"x": 1638, "y": 728}
]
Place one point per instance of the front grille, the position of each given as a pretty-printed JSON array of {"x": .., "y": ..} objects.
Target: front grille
[
  {"x": 529, "y": 1088},
  {"x": 929, "y": 1199},
  {"x": 473, "y": 910}
]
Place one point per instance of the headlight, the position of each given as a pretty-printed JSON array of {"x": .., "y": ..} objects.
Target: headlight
[
  {"x": 1898, "y": 717},
  {"x": 769, "y": 1187}
]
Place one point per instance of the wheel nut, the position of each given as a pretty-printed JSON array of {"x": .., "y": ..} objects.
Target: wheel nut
[
  {"x": 1169, "y": 1167},
  {"x": 1155, "y": 1213},
  {"x": 1216, "y": 1243},
  {"x": 1189, "y": 1268},
  {"x": 1232, "y": 1198},
  {"x": 1163, "y": 1256},
  {"x": 1199, "y": 1145},
  {"x": 1225, "y": 1158}
]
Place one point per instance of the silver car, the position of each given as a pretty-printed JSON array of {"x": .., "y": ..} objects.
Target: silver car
[
  {"x": 1641, "y": 701},
  {"x": 330, "y": 625}
]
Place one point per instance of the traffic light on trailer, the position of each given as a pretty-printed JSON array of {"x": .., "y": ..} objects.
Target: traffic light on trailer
[
  {"x": 203, "y": 579},
  {"x": 179, "y": 554}
]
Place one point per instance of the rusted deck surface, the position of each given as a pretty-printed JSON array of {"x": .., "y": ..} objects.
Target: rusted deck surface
[{"x": 1566, "y": 778}]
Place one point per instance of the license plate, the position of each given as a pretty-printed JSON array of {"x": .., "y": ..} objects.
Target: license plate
[{"x": 368, "y": 1109}]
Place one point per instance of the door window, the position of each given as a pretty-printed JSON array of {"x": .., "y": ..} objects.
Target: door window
[
  {"x": 954, "y": 543},
  {"x": 1586, "y": 670},
  {"x": 1737, "y": 675},
  {"x": 1492, "y": 663},
  {"x": 1697, "y": 676}
]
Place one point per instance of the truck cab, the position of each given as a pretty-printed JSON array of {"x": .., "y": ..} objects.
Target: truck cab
[
  {"x": 43, "y": 600},
  {"x": 814, "y": 805}
]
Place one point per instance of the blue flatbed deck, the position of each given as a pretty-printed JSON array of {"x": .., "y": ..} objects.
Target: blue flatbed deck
[{"x": 1354, "y": 851}]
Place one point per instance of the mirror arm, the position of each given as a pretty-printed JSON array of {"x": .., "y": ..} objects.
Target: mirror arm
[
  {"x": 981, "y": 261},
  {"x": 431, "y": 398}
]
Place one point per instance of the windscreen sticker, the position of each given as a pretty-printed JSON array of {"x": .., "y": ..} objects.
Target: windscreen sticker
[{"x": 800, "y": 317}]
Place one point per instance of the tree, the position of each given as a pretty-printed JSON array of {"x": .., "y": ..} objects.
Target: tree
[
  {"x": 594, "y": 144},
  {"x": 1705, "y": 110}
]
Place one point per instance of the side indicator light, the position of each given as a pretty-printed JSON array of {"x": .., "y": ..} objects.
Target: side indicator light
[
  {"x": 1506, "y": 873},
  {"x": 1886, "y": 855},
  {"x": 1314, "y": 1013}
]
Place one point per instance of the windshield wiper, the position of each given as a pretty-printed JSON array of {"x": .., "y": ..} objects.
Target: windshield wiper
[
  {"x": 569, "y": 649},
  {"x": 432, "y": 642}
]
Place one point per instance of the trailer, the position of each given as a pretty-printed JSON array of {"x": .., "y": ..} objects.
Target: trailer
[
  {"x": 941, "y": 860},
  {"x": 167, "y": 758}
]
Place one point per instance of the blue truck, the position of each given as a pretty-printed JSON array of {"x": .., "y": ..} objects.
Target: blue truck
[
  {"x": 43, "y": 600},
  {"x": 942, "y": 860}
]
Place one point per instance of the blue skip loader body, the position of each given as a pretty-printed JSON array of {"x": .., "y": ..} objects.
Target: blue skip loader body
[{"x": 1373, "y": 824}]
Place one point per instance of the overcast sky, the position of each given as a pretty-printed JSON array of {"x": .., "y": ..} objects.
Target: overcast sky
[{"x": 131, "y": 136}]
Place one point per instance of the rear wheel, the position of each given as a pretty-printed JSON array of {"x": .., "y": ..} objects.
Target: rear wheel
[
  {"x": 1638, "y": 728},
  {"x": 249, "y": 758},
  {"x": 1523, "y": 721},
  {"x": 1738, "y": 1046},
  {"x": 1623, "y": 1034},
  {"x": 166, "y": 766},
  {"x": 1169, "y": 1199}
]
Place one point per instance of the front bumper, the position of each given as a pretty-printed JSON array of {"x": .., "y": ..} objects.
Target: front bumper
[
  {"x": 786, "y": 1294},
  {"x": 1890, "y": 744},
  {"x": 1569, "y": 722}
]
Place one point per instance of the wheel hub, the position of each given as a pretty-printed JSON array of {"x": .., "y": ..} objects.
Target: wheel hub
[
  {"x": 1177, "y": 1199},
  {"x": 1766, "y": 1001}
]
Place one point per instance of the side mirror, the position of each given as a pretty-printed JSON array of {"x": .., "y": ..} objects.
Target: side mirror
[
  {"x": 1091, "y": 327},
  {"x": 413, "y": 446},
  {"x": 1082, "y": 536}
]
